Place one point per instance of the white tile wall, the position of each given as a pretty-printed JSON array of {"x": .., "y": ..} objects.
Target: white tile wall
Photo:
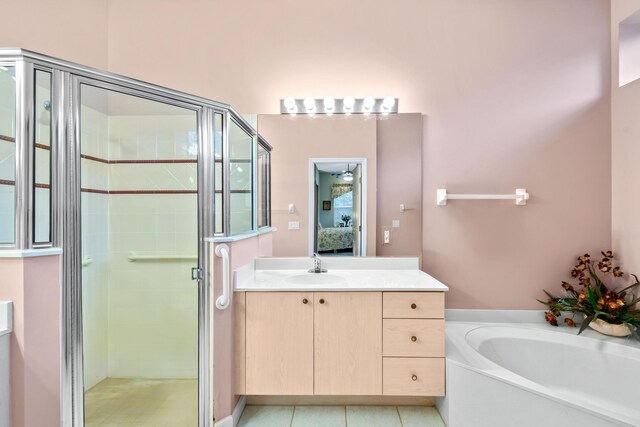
[
  {"x": 7, "y": 154},
  {"x": 95, "y": 245},
  {"x": 151, "y": 307}
]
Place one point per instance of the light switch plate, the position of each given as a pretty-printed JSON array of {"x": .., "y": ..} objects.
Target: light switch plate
[
  {"x": 395, "y": 223},
  {"x": 294, "y": 225}
]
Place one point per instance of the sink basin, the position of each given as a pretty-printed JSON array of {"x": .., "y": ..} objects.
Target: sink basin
[{"x": 315, "y": 279}]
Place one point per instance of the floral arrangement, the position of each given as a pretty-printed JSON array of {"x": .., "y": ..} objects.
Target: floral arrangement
[
  {"x": 346, "y": 219},
  {"x": 595, "y": 296}
]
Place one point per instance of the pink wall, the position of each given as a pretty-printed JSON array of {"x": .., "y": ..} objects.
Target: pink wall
[
  {"x": 625, "y": 107},
  {"x": 33, "y": 284},
  {"x": 240, "y": 253},
  {"x": 515, "y": 93},
  {"x": 399, "y": 149},
  {"x": 295, "y": 141},
  {"x": 75, "y": 30}
]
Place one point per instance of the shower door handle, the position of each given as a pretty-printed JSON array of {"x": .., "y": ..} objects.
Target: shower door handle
[{"x": 196, "y": 274}]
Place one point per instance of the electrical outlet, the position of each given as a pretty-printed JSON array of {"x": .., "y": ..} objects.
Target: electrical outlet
[
  {"x": 294, "y": 225},
  {"x": 395, "y": 223},
  {"x": 387, "y": 236}
]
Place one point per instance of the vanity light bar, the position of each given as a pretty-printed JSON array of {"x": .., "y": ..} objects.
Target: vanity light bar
[{"x": 348, "y": 105}]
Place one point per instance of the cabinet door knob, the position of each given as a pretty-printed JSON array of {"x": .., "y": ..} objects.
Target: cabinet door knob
[
  {"x": 414, "y": 338},
  {"x": 414, "y": 306},
  {"x": 414, "y": 377},
  {"x": 321, "y": 301},
  {"x": 304, "y": 300}
]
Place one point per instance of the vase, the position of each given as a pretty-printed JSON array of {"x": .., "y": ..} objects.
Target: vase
[{"x": 606, "y": 328}]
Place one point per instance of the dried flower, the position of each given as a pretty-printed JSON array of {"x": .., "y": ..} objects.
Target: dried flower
[
  {"x": 584, "y": 258},
  {"x": 604, "y": 265},
  {"x": 551, "y": 318},
  {"x": 582, "y": 296},
  {"x": 597, "y": 299},
  {"x": 567, "y": 286}
]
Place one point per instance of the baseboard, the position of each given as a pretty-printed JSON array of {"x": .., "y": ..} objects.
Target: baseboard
[
  {"x": 342, "y": 400},
  {"x": 233, "y": 419}
]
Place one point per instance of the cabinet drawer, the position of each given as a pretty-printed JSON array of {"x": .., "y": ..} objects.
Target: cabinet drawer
[
  {"x": 413, "y": 377},
  {"x": 413, "y": 305},
  {"x": 413, "y": 338}
]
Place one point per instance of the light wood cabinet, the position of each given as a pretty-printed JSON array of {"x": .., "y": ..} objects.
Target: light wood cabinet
[
  {"x": 348, "y": 343},
  {"x": 413, "y": 337},
  {"x": 341, "y": 343},
  {"x": 279, "y": 343}
]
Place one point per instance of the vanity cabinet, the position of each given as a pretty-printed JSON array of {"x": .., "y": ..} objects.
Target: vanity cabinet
[
  {"x": 348, "y": 349},
  {"x": 342, "y": 344},
  {"x": 279, "y": 343}
]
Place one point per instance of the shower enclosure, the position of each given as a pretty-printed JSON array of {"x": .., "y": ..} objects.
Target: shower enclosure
[{"x": 132, "y": 181}]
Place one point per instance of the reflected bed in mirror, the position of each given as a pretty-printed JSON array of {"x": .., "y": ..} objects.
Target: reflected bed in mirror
[
  {"x": 391, "y": 148},
  {"x": 336, "y": 202}
]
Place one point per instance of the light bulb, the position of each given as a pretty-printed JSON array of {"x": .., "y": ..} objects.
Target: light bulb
[
  {"x": 368, "y": 102},
  {"x": 289, "y": 103},
  {"x": 388, "y": 102},
  {"x": 329, "y": 103},
  {"x": 309, "y": 104},
  {"x": 347, "y": 176},
  {"x": 348, "y": 103}
]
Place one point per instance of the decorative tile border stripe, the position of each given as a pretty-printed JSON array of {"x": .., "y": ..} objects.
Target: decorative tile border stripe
[
  {"x": 113, "y": 162},
  {"x": 9, "y": 182},
  {"x": 137, "y": 162},
  {"x": 153, "y": 192},
  {"x": 93, "y": 190},
  {"x": 95, "y": 159},
  {"x": 96, "y": 191}
]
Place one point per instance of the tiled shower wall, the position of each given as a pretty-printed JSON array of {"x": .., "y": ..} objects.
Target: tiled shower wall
[
  {"x": 7, "y": 154},
  {"x": 139, "y": 199},
  {"x": 95, "y": 245},
  {"x": 153, "y": 305}
]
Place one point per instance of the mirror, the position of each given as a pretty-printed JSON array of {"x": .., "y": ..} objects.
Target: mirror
[
  {"x": 337, "y": 209},
  {"x": 308, "y": 149}
]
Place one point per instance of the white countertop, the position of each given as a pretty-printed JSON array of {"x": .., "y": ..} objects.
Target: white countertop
[{"x": 365, "y": 274}]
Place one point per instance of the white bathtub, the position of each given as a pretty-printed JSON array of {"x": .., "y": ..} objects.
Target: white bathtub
[
  {"x": 6, "y": 321},
  {"x": 534, "y": 375}
]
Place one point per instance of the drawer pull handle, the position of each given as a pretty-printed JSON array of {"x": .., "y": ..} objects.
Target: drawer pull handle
[
  {"x": 414, "y": 306},
  {"x": 304, "y": 300},
  {"x": 321, "y": 300},
  {"x": 414, "y": 377},
  {"x": 414, "y": 338}
]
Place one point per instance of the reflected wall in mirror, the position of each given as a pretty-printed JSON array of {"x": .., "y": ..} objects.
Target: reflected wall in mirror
[{"x": 392, "y": 147}]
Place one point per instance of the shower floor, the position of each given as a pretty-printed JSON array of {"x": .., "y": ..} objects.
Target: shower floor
[{"x": 142, "y": 402}]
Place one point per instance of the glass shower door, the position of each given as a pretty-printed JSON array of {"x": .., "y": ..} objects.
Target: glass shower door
[{"x": 139, "y": 222}]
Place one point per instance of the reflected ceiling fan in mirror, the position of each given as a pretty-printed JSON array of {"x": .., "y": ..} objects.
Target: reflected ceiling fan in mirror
[{"x": 345, "y": 175}]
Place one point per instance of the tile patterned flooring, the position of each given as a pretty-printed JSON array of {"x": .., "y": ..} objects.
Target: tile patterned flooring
[
  {"x": 139, "y": 402},
  {"x": 340, "y": 416},
  {"x": 174, "y": 403}
]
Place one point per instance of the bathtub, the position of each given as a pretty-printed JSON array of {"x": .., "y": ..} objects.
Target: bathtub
[
  {"x": 531, "y": 374},
  {"x": 6, "y": 321}
]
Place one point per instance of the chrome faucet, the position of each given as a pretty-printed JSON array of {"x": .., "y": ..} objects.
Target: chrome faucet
[{"x": 317, "y": 265}]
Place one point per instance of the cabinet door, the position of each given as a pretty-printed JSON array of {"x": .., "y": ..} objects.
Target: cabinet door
[
  {"x": 279, "y": 343},
  {"x": 348, "y": 343}
]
